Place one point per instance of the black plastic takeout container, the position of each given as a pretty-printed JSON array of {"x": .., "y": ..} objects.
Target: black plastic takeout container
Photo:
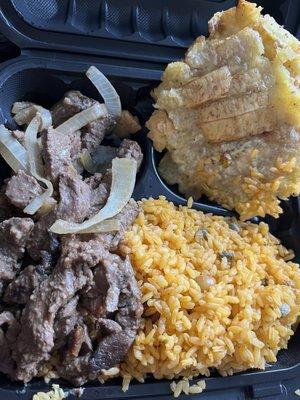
[{"x": 131, "y": 41}]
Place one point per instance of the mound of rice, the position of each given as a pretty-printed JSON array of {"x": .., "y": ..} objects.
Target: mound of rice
[{"x": 216, "y": 293}]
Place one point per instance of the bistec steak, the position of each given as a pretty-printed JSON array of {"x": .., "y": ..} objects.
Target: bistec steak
[{"x": 68, "y": 302}]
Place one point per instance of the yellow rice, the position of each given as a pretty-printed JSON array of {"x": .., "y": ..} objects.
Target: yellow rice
[
  {"x": 216, "y": 293},
  {"x": 55, "y": 394},
  {"x": 184, "y": 386}
]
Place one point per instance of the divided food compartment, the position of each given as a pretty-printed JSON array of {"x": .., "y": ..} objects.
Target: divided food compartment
[{"x": 43, "y": 75}]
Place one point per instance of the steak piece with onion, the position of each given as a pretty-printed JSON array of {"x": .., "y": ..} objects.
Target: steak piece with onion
[
  {"x": 79, "y": 307},
  {"x": 74, "y": 102},
  {"x": 131, "y": 149},
  {"x": 74, "y": 205}
]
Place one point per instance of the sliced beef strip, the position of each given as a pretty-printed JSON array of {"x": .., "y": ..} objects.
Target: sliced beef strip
[
  {"x": 73, "y": 364},
  {"x": 127, "y": 125},
  {"x": 7, "y": 341},
  {"x": 111, "y": 350},
  {"x": 57, "y": 150},
  {"x": 21, "y": 189},
  {"x": 111, "y": 241},
  {"x": 14, "y": 234},
  {"x": 71, "y": 274},
  {"x": 74, "y": 102},
  {"x": 75, "y": 198}
]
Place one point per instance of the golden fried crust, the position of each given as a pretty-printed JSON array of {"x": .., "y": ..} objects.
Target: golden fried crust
[
  {"x": 229, "y": 114},
  {"x": 274, "y": 36},
  {"x": 160, "y": 127},
  {"x": 232, "y": 51},
  {"x": 211, "y": 86}
]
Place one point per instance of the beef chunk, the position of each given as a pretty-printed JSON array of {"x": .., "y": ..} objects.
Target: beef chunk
[
  {"x": 71, "y": 274},
  {"x": 41, "y": 239},
  {"x": 94, "y": 132},
  {"x": 57, "y": 149},
  {"x": 74, "y": 363},
  {"x": 14, "y": 233},
  {"x": 19, "y": 290},
  {"x": 21, "y": 189},
  {"x": 71, "y": 104},
  {"x": 130, "y": 149},
  {"x": 75, "y": 197},
  {"x": 103, "y": 297},
  {"x": 111, "y": 350},
  {"x": 99, "y": 193},
  {"x": 110, "y": 241},
  {"x": 77, "y": 370}
]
